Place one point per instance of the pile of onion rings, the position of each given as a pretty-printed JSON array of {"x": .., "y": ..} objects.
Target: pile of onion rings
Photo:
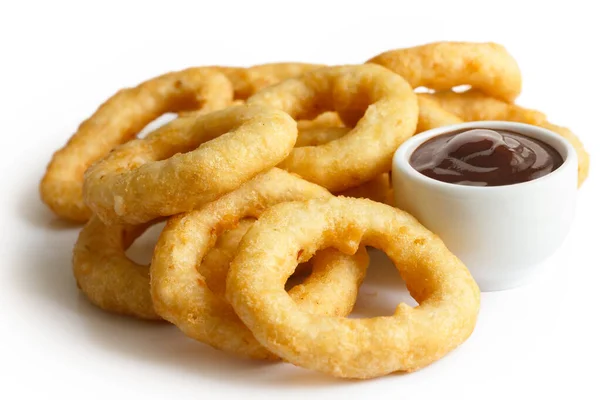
[{"x": 277, "y": 170}]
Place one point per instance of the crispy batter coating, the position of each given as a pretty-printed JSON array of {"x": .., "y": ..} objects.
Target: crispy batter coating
[
  {"x": 432, "y": 115},
  {"x": 412, "y": 338},
  {"x": 187, "y": 163},
  {"x": 326, "y": 120},
  {"x": 247, "y": 81},
  {"x": 444, "y": 65},
  {"x": 328, "y": 127},
  {"x": 119, "y": 120},
  {"x": 323, "y": 129},
  {"x": 474, "y": 105},
  {"x": 477, "y": 106},
  {"x": 378, "y": 103},
  {"x": 117, "y": 284},
  {"x": 215, "y": 264},
  {"x": 318, "y": 135},
  {"x": 184, "y": 296},
  {"x": 106, "y": 275},
  {"x": 378, "y": 189}
]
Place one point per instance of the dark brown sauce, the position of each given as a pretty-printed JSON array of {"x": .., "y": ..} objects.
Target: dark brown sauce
[{"x": 485, "y": 157}]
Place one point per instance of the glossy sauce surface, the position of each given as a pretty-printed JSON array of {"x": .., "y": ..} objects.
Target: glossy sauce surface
[{"x": 485, "y": 157}]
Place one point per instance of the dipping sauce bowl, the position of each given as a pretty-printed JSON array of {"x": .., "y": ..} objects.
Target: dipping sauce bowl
[{"x": 503, "y": 234}]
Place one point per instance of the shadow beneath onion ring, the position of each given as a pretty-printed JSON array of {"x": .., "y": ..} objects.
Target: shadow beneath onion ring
[
  {"x": 35, "y": 213},
  {"x": 163, "y": 345},
  {"x": 46, "y": 276},
  {"x": 382, "y": 290},
  {"x": 383, "y": 273},
  {"x": 157, "y": 342},
  {"x": 31, "y": 208}
]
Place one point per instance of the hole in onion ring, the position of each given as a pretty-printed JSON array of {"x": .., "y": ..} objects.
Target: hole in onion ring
[
  {"x": 142, "y": 248},
  {"x": 423, "y": 89},
  {"x": 157, "y": 123},
  {"x": 382, "y": 290},
  {"x": 461, "y": 88},
  {"x": 302, "y": 272}
]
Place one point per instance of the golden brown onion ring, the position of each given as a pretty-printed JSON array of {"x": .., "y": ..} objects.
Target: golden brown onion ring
[
  {"x": 183, "y": 295},
  {"x": 247, "y": 81},
  {"x": 378, "y": 103},
  {"x": 117, "y": 284},
  {"x": 444, "y": 65},
  {"x": 378, "y": 189},
  {"x": 186, "y": 163},
  {"x": 412, "y": 338},
  {"x": 119, "y": 120}
]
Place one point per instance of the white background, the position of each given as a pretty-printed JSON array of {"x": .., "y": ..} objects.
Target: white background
[{"x": 59, "y": 60}]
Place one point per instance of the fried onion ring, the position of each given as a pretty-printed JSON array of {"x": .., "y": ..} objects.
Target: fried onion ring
[
  {"x": 117, "y": 284},
  {"x": 320, "y": 135},
  {"x": 432, "y": 115},
  {"x": 105, "y": 274},
  {"x": 215, "y": 264},
  {"x": 390, "y": 118},
  {"x": 150, "y": 177},
  {"x": 378, "y": 189},
  {"x": 327, "y": 128},
  {"x": 247, "y": 81},
  {"x": 476, "y": 106},
  {"x": 183, "y": 296},
  {"x": 119, "y": 120},
  {"x": 412, "y": 338},
  {"x": 323, "y": 129},
  {"x": 328, "y": 119},
  {"x": 444, "y": 65}
]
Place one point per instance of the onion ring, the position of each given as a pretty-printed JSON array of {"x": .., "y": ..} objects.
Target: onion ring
[
  {"x": 444, "y": 65},
  {"x": 106, "y": 275},
  {"x": 476, "y": 106},
  {"x": 390, "y": 118},
  {"x": 117, "y": 121},
  {"x": 320, "y": 135},
  {"x": 412, "y": 338},
  {"x": 247, "y": 81},
  {"x": 149, "y": 178},
  {"x": 180, "y": 291},
  {"x": 432, "y": 115},
  {"x": 215, "y": 264},
  {"x": 327, "y": 128},
  {"x": 328, "y": 119},
  {"x": 323, "y": 129},
  {"x": 378, "y": 189},
  {"x": 117, "y": 284}
]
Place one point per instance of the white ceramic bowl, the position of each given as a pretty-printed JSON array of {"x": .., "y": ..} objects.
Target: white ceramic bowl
[{"x": 501, "y": 233}]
